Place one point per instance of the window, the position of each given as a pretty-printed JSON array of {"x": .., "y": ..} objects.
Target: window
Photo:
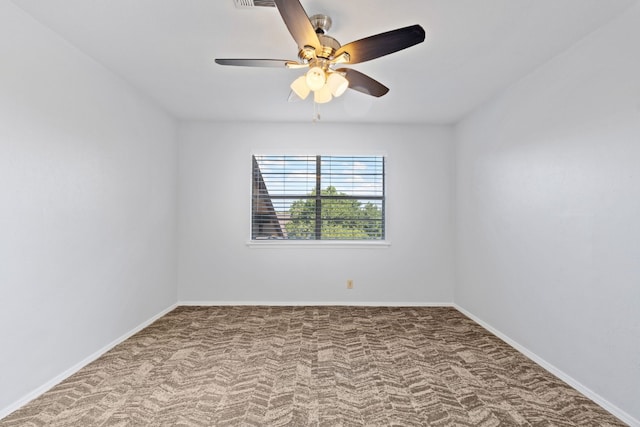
[{"x": 318, "y": 198}]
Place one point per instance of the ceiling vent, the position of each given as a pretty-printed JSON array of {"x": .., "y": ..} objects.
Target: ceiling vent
[{"x": 250, "y": 4}]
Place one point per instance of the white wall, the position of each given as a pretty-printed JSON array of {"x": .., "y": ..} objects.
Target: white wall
[
  {"x": 548, "y": 213},
  {"x": 215, "y": 263},
  {"x": 87, "y": 208}
]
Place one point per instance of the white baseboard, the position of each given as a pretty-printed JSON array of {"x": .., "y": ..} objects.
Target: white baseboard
[
  {"x": 604, "y": 403},
  {"x": 75, "y": 368},
  {"x": 317, "y": 303}
]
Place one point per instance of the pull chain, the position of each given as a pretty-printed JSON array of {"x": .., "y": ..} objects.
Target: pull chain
[{"x": 316, "y": 112}]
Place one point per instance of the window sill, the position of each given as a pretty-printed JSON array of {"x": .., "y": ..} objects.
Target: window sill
[{"x": 315, "y": 244}]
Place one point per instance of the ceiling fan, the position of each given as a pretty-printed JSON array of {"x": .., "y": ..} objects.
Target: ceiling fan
[{"x": 321, "y": 54}]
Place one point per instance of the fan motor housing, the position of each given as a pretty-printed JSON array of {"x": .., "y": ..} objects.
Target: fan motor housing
[
  {"x": 328, "y": 48},
  {"x": 328, "y": 45}
]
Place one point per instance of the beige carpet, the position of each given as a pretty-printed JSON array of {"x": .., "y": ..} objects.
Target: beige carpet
[{"x": 312, "y": 366}]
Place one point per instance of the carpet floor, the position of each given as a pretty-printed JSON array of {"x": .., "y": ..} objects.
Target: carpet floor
[{"x": 312, "y": 366}]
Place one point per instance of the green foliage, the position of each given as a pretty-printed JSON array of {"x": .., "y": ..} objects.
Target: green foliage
[{"x": 342, "y": 219}]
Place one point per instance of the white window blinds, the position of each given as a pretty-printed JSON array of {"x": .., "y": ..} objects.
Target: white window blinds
[{"x": 318, "y": 198}]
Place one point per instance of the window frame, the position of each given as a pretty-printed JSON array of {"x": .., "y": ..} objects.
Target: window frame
[{"x": 326, "y": 243}]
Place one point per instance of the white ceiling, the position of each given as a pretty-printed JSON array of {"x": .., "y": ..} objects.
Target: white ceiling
[{"x": 474, "y": 49}]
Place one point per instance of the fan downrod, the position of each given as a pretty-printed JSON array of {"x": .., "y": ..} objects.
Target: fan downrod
[{"x": 321, "y": 23}]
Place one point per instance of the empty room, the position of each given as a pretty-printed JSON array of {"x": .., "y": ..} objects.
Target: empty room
[{"x": 319, "y": 213}]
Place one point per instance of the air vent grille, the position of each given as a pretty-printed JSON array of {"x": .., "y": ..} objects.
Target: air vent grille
[{"x": 249, "y": 4}]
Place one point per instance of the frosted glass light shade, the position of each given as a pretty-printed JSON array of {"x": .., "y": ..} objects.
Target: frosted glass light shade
[
  {"x": 337, "y": 83},
  {"x": 322, "y": 95},
  {"x": 300, "y": 88},
  {"x": 316, "y": 78}
]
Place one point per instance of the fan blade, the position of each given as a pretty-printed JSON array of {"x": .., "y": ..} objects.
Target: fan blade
[
  {"x": 297, "y": 21},
  {"x": 382, "y": 44},
  {"x": 277, "y": 63},
  {"x": 363, "y": 83}
]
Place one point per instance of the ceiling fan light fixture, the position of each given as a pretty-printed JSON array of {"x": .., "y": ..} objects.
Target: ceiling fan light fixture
[
  {"x": 300, "y": 87},
  {"x": 337, "y": 83},
  {"x": 323, "y": 95},
  {"x": 319, "y": 54},
  {"x": 315, "y": 78}
]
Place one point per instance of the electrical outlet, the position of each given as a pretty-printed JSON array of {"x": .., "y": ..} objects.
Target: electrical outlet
[{"x": 349, "y": 284}]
